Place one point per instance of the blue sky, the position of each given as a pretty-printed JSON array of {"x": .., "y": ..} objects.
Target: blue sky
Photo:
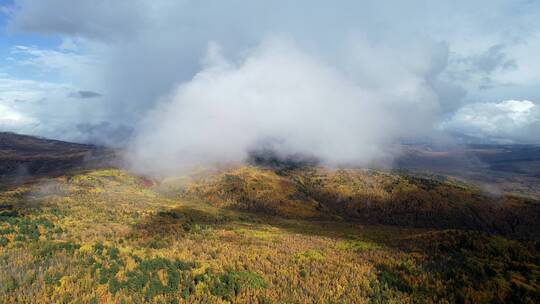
[
  {"x": 9, "y": 39},
  {"x": 98, "y": 71}
]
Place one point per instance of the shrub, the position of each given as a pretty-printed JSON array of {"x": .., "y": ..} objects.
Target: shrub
[
  {"x": 29, "y": 277},
  {"x": 52, "y": 278},
  {"x": 50, "y": 248},
  {"x": 226, "y": 286},
  {"x": 113, "y": 253},
  {"x": 98, "y": 248},
  {"x": 19, "y": 238},
  {"x": 392, "y": 279},
  {"x": 8, "y": 230},
  {"x": 251, "y": 280},
  {"x": 230, "y": 283},
  {"x": 9, "y": 284},
  {"x": 145, "y": 277},
  {"x": 157, "y": 244}
]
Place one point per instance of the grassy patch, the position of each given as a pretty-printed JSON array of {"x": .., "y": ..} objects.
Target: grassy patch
[
  {"x": 230, "y": 283},
  {"x": 308, "y": 256},
  {"x": 356, "y": 245},
  {"x": 260, "y": 234}
]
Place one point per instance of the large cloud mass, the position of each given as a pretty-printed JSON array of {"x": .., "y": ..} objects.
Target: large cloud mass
[
  {"x": 344, "y": 81},
  {"x": 282, "y": 97}
]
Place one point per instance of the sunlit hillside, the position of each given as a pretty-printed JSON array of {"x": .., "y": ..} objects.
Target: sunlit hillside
[{"x": 255, "y": 235}]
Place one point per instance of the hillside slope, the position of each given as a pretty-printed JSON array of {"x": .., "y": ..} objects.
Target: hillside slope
[
  {"x": 24, "y": 156},
  {"x": 76, "y": 232},
  {"x": 368, "y": 196},
  {"x": 105, "y": 236}
]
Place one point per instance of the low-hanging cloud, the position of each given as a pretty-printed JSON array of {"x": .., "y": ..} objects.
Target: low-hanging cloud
[
  {"x": 281, "y": 96},
  {"x": 349, "y": 80}
]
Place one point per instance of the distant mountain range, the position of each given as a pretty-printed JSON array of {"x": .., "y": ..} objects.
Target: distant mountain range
[
  {"x": 23, "y": 156},
  {"x": 508, "y": 168}
]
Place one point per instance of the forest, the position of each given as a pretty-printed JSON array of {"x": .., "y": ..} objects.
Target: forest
[{"x": 260, "y": 235}]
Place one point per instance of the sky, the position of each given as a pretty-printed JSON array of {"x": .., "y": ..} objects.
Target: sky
[{"x": 340, "y": 80}]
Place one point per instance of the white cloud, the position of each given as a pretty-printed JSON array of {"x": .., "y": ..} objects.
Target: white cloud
[
  {"x": 506, "y": 121},
  {"x": 134, "y": 53},
  {"x": 12, "y": 120},
  {"x": 283, "y": 97},
  {"x": 69, "y": 44},
  {"x": 68, "y": 64},
  {"x": 43, "y": 108},
  {"x": 28, "y": 91},
  {"x": 55, "y": 107}
]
